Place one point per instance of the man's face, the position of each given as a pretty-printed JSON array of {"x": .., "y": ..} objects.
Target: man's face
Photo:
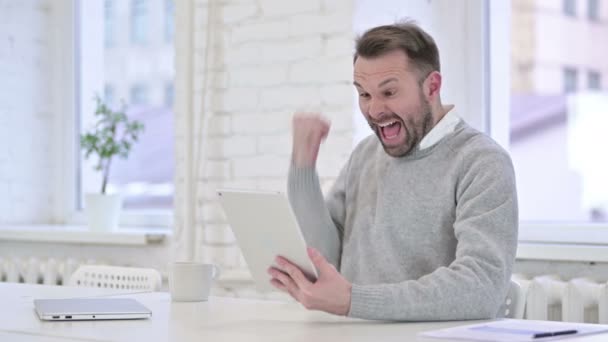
[{"x": 392, "y": 100}]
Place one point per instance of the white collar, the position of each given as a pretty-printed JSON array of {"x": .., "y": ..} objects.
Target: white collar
[{"x": 444, "y": 127}]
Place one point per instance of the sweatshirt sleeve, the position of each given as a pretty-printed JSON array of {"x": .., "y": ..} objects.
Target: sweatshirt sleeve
[
  {"x": 474, "y": 285},
  {"x": 320, "y": 220}
]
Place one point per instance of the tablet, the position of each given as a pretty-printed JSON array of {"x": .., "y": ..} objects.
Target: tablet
[
  {"x": 265, "y": 227},
  {"x": 74, "y": 309}
]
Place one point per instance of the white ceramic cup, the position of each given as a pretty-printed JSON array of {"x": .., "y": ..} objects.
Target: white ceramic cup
[{"x": 191, "y": 281}]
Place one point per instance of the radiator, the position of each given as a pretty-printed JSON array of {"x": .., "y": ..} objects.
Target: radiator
[
  {"x": 36, "y": 271},
  {"x": 548, "y": 297}
]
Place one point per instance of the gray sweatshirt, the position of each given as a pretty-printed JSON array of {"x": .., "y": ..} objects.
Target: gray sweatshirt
[{"x": 428, "y": 236}]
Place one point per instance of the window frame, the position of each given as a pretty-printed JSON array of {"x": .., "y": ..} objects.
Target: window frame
[{"x": 66, "y": 127}]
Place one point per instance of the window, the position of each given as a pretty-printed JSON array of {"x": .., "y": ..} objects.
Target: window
[
  {"x": 557, "y": 137},
  {"x": 570, "y": 80},
  {"x": 593, "y": 10},
  {"x": 569, "y": 8},
  {"x": 109, "y": 23},
  {"x": 137, "y": 76},
  {"x": 108, "y": 95},
  {"x": 169, "y": 94},
  {"x": 169, "y": 20},
  {"x": 139, "y": 94},
  {"x": 594, "y": 80},
  {"x": 139, "y": 22}
]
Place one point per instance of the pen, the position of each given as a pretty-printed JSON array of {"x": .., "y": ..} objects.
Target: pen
[{"x": 555, "y": 333}]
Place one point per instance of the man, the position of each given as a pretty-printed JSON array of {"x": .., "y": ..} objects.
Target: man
[{"x": 422, "y": 220}]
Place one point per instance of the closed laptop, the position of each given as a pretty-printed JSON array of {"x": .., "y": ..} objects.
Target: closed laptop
[{"x": 74, "y": 309}]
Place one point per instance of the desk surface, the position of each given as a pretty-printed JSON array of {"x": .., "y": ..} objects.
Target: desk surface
[{"x": 219, "y": 319}]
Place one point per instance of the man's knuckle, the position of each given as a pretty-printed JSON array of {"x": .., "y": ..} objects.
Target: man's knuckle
[
  {"x": 288, "y": 269},
  {"x": 306, "y": 290},
  {"x": 306, "y": 294},
  {"x": 306, "y": 303}
]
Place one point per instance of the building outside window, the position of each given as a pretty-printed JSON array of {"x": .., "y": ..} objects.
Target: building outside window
[{"x": 557, "y": 128}]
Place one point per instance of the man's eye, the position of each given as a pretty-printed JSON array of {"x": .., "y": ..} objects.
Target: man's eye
[
  {"x": 364, "y": 95},
  {"x": 389, "y": 93}
]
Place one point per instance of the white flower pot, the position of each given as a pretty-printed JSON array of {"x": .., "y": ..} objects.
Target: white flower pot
[{"x": 102, "y": 211}]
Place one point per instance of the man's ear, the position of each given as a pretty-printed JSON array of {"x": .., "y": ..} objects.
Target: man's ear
[{"x": 432, "y": 85}]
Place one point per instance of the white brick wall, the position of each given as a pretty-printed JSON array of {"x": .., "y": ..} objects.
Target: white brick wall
[
  {"x": 234, "y": 13},
  {"x": 274, "y": 57},
  {"x": 282, "y": 8},
  {"x": 25, "y": 111},
  {"x": 260, "y": 31},
  {"x": 258, "y": 76}
]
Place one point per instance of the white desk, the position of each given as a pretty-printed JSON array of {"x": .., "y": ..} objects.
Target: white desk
[{"x": 219, "y": 319}]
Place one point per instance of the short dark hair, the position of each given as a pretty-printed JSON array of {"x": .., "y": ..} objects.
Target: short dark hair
[{"x": 405, "y": 36}]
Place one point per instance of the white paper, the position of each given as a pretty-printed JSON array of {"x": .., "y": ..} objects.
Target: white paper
[{"x": 515, "y": 330}]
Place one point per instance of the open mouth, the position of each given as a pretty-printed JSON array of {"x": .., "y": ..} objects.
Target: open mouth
[{"x": 390, "y": 130}]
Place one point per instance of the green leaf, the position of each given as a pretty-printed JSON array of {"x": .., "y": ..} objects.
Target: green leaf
[{"x": 112, "y": 134}]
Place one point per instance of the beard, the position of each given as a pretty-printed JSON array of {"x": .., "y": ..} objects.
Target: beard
[{"x": 415, "y": 129}]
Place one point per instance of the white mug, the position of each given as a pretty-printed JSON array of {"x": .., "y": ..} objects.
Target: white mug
[{"x": 191, "y": 281}]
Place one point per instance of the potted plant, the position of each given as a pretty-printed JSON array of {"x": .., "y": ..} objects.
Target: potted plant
[{"x": 112, "y": 135}]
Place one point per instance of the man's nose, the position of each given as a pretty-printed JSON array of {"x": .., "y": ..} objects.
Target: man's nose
[{"x": 376, "y": 109}]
